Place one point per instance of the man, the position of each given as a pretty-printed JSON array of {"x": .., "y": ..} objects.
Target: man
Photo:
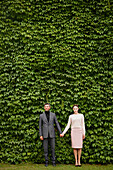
[{"x": 47, "y": 132}]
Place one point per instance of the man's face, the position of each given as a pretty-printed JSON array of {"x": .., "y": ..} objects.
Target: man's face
[{"x": 47, "y": 107}]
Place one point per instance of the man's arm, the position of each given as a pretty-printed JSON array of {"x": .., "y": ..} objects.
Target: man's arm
[
  {"x": 40, "y": 128},
  {"x": 57, "y": 124}
]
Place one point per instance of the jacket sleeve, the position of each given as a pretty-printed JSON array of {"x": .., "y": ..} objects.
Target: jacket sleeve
[
  {"x": 83, "y": 125},
  {"x": 40, "y": 126},
  {"x": 57, "y": 124}
]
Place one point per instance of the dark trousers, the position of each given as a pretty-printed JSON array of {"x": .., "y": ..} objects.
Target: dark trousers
[{"x": 50, "y": 141}]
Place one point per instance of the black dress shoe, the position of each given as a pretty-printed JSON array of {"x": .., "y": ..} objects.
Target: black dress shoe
[
  {"x": 46, "y": 164},
  {"x": 54, "y": 164}
]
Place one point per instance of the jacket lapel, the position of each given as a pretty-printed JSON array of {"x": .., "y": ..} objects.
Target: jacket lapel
[{"x": 45, "y": 118}]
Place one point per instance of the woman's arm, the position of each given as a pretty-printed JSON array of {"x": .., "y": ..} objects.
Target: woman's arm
[
  {"x": 68, "y": 126},
  {"x": 83, "y": 126}
]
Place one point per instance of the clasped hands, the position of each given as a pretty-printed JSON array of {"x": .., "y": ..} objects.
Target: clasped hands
[{"x": 62, "y": 135}]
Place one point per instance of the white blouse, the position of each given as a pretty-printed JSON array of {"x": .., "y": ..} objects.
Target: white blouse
[{"x": 75, "y": 120}]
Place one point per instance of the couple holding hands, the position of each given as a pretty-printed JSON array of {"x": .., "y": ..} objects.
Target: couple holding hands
[{"x": 47, "y": 132}]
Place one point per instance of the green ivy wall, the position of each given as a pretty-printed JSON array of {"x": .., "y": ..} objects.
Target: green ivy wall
[{"x": 56, "y": 51}]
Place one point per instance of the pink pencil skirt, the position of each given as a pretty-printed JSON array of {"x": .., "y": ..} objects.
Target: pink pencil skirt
[{"x": 76, "y": 138}]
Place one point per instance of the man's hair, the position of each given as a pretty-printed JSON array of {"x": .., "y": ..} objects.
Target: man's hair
[
  {"x": 47, "y": 104},
  {"x": 75, "y": 105}
]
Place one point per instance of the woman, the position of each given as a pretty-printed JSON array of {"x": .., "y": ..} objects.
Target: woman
[{"x": 77, "y": 123}]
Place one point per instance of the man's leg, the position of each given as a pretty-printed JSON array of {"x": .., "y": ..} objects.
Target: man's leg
[
  {"x": 45, "y": 145},
  {"x": 52, "y": 144}
]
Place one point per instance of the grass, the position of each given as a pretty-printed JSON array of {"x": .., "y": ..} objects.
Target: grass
[{"x": 31, "y": 166}]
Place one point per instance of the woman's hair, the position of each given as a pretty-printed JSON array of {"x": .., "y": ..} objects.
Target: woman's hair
[{"x": 75, "y": 105}]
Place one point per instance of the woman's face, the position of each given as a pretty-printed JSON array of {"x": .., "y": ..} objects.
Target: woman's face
[{"x": 75, "y": 109}]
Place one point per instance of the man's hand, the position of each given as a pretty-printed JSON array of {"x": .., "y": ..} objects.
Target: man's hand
[
  {"x": 41, "y": 137},
  {"x": 61, "y": 135}
]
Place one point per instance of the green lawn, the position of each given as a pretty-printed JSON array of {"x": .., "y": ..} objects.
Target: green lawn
[{"x": 31, "y": 166}]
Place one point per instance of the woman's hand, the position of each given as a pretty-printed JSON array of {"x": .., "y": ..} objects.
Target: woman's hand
[
  {"x": 83, "y": 136},
  {"x": 61, "y": 135}
]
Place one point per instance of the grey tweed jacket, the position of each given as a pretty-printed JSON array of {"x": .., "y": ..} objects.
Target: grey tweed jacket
[{"x": 46, "y": 127}]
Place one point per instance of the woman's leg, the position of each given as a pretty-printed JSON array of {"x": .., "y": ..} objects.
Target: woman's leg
[
  {"x": 75, "y": 154},
  {"x": 79, "y": 156}
]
